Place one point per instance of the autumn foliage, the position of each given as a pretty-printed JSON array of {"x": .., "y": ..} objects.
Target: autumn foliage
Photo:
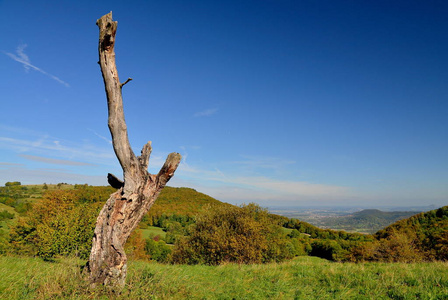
[
  {"x": 243, "y": 234},
  {"x": 61, "y": 223},
  {"x": 201, "y": 230},
  {"x": 423, "y": 237}
]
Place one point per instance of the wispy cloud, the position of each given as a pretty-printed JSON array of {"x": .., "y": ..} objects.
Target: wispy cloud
[
  {"x": 264, "y": 162},
  {"x": 264, "y": 190},
  {"x": 22, "y": 58},
  {"x": 38, "y": 176},
  {"x": 295, "y": 188},
  {"x": 255, "y": 187},
  {"x": 55, "y": 161},
  {"x": 206, "y": 113},
  {"x": 101, "y": 137},
  {"x": 28, "y": 142},
  {"x": 8, "y": 164}
]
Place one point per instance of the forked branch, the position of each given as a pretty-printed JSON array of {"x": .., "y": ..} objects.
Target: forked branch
[{"x": 137, "y": 193}]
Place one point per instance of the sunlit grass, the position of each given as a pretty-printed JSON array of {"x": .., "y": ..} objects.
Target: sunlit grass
[
  {"x": 302, "y": 278},
  {"x": 152, "y": 231}
]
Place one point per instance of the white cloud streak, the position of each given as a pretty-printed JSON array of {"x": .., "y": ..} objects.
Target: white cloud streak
[
  {"x": 39, "y": 176},
  {"x": 236, "y": 185},
  {"x": 27, "y": 142},
  {"x": 101, "y": 137},
  {"x": 8, "y": 164},
  {"x": 263, "y": 162},
  {"x": 22, "y": 58},
  {"x": 256, "y": 188},
  {"x": 55, "y": 161}
]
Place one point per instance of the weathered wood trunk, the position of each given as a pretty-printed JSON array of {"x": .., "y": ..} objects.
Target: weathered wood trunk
[{"x": 125, "y": 208}]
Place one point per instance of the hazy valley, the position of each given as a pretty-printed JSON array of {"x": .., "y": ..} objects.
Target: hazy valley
[{"x": 351, "y": 219}]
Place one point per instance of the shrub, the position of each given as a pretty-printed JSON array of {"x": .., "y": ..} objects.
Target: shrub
[
  {"x": 61, "y": 223},
  {"x": 396, "y": 247},
  {"x": 135, "y": 246},
  {"x": 244, "y": 234},
  {"x": 157, "y": 250},
  {"x": 328, "y": 249}
]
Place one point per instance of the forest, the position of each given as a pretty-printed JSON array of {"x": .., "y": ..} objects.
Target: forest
[{"x": 187, "y": 227}]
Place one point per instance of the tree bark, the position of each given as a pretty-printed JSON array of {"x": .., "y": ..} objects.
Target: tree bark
[{"x": 125, "y": 208}]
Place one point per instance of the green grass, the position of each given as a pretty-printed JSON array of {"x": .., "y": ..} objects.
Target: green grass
[
  {"x": 302, "y": 278},
  {"x": 7, "y": 208},
  {"x": 152, "y": 231},
  {"x": 6, "y": 224},
  {"x": 286, "y": 230}
]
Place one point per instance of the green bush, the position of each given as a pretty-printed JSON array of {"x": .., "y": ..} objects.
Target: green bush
[
  {"x": 246, "y": 234},
  {"x": 157, "y": 250},
  {"x": 61, "y": 223},
  {"x": 328, "y": 249}
]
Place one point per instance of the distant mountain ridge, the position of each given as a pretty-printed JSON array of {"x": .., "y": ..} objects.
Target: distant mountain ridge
[
  {"x": 367, "y": 220},
  {"x": 373, "y": 214}
]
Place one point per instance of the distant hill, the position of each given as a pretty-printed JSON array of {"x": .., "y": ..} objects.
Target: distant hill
[
  {"x": 18, "y": 195},
  {"x": 172, "y": 201},
  {"x": 367, "y": 220},
  {"x": 182, "y": 201}
]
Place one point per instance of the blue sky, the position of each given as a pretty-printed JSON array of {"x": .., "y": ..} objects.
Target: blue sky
[{"x": 277, "y": 102}]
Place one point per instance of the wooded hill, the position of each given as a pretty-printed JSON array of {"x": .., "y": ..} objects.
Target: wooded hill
[
  {"x": 427, "y": 232},
  {"x": 182, "y": 202},
  {"x": 58, "y": 220}
]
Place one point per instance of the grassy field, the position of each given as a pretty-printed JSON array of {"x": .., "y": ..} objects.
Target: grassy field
[
  {"x": 7, "y": 208},
  {"x": 5, "y": 224},
  {"x": 302, "y": 278},
  {"x": 152, "y": 231}
]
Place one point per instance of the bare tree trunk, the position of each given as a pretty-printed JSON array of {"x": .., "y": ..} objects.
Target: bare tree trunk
[{"x": 125, "y": 208}]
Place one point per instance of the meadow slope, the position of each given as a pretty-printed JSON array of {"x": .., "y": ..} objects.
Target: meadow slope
[{"x": 301, "y": 278}]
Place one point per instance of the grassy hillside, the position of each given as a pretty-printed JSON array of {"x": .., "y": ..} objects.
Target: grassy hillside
[
  {"x": 302, "y": 278},
  {"x": 21, "y": 197}
]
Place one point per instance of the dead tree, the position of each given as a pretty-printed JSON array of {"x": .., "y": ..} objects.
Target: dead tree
[{"x": 136, "y": 194}]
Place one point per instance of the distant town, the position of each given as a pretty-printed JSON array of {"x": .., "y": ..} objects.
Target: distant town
[{"x": 350, "y": 219}]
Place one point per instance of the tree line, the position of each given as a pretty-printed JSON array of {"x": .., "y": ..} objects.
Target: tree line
[{"x": 61, "y": 223}]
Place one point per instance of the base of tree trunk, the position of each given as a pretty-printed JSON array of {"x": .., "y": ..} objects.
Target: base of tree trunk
[{"x": 108, "y": 263}]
